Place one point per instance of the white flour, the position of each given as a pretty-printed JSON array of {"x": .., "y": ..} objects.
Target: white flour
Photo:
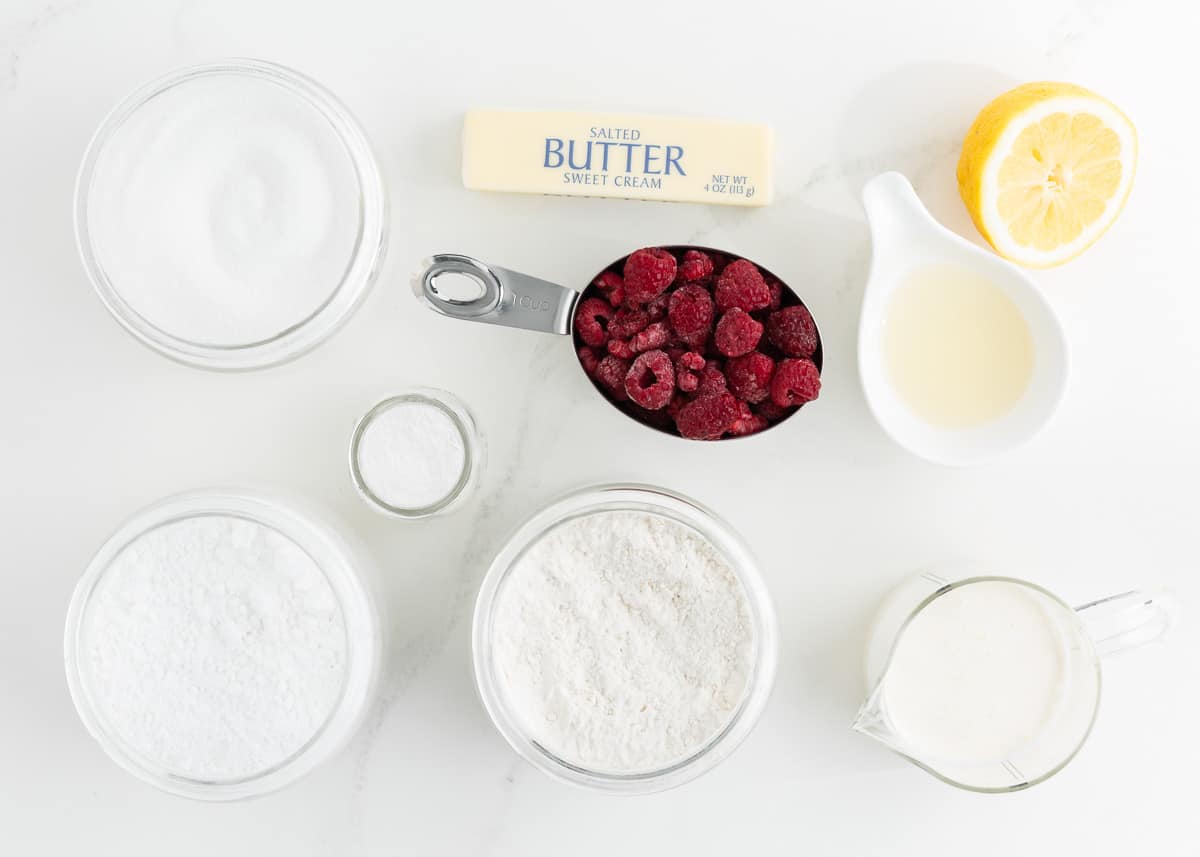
[
  {"x": 411, "y": 455},
  {"x": 214, "y": 647},
  {"x": 623, "y": 641}
]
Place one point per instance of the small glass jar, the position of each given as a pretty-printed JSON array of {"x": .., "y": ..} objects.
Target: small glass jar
[
  {"x": 350, "y": 579},
  {"x": 658, "y": 501},
  {"x": 472, "y": 442}
]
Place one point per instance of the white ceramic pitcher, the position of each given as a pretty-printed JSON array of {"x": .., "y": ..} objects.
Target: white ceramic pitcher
[{"x": 905, "y": 237}]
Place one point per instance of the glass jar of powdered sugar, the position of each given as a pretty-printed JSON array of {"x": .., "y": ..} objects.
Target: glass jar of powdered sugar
[
  {"x": 222, "y": 643},
  {"x": 416, "y": 453},
  {"x": 623, "y": 640}
]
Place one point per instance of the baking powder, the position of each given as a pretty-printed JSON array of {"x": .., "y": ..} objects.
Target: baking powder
[
  {"x": 214, "y": 647},
  {"x": 623, "y": 641},
  {"x": 411, "y": 454}
]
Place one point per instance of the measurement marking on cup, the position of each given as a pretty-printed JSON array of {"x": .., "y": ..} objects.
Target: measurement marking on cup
[
  {"x": 530, "y": 303},
  {"x": 1013, "y": 771}
]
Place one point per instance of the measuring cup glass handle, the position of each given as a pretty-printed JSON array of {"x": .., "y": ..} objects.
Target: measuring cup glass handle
[
  {"x": 497, "y": 295},
  {"x": 1128, "y": 620}
]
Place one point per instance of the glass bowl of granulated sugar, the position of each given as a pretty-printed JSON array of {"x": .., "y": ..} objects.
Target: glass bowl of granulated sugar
[
  {"x": 231, "y": 215},
  {"x": 221, "y": 644},
  {"x": 624, "y": 640}
]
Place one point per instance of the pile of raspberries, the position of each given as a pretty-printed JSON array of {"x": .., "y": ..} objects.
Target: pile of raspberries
[{"x": 694, "y": 342}]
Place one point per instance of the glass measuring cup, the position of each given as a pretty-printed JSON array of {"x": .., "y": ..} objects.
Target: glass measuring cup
[
  {"x": 465, "y": 288},
  {"x": 1024, "y": 753}
]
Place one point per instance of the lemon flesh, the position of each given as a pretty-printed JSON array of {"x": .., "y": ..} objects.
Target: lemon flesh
[{"x": 1045, "y": 170}]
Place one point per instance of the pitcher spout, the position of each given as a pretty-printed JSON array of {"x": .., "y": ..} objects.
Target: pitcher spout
[
  {"x": 873, "y": 721},
  {"x": 894, "y": 213}
]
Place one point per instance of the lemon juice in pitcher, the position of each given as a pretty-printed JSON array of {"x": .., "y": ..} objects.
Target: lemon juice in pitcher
[{"x": 958, "y": 350}]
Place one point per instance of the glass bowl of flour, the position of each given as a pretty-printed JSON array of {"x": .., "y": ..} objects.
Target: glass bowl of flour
[
  {"x": 221, "y": 644},
  {"x": 231, "y": 215},
  {"x": 624, "y": 640}
]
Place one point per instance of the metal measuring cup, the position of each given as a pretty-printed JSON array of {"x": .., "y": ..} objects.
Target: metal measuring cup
[{"x": 496, "y": 295}]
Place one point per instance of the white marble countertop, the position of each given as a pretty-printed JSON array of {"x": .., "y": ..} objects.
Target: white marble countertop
[{"x": 95, "y": 425}]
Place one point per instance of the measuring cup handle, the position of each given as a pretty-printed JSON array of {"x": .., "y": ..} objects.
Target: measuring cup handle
[
  {"x": 1128, "y": 620},
  {"x": 504, "y": 297}
]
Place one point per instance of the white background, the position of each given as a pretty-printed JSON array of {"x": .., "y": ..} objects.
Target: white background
[{"x": 95, "y": 426}]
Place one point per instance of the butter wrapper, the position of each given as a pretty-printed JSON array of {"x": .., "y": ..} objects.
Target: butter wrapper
[{"x": 618, "y": 155}]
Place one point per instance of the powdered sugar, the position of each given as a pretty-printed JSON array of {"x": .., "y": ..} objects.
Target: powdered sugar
[
  {"x": 214, "y": 647},
  {"x": 623, "y": 641}
]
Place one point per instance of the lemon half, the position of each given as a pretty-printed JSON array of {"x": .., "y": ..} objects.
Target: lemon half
[{"x": 1045, "y": 170}]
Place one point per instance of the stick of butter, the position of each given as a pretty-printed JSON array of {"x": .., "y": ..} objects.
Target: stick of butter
[{"x": 618, "y": 155}]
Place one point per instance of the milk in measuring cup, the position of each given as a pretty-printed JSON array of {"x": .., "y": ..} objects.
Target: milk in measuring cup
[{"x": 977, "y": 674}]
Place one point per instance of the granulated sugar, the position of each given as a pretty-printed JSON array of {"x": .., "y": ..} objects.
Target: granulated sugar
[
  {"x": 215, "y": 647},
  {"x": 623, "y": 641},
  {"x": 225, "y": 210}
]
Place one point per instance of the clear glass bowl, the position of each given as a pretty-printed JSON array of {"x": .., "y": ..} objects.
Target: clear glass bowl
[
  {"x": 474, "y": 451},
  {"x": 343, "y": 297},
  {"x": 349, "y": 578},
  {"x": 659, "y": 501}
]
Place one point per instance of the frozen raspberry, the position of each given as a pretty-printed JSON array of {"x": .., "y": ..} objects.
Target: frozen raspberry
[
  {"x": 677, "y": 403},
  {"x": 591, "y": 321},
  {"x": 749, "y": 376},
  {"x": 657, "y": 308},
  {"x": 610, "y": 374},
  {"x": 737, "y": 333},
  {"x": 611, "y": 286},
  {"x": 608, "y": 280},
  {"x": 650, "y": 381},
  {"x": 626, "y": 322},
  {"x": 747, "y": 422},
  {"x": 795, "y": 382},
  {"x": 712, "y": 380},
  {"x": 708, "y": 417},
  {"x": 589, "y": 359},
  {"x": 648, "y": 272},
  {"x": 751, "y": 425},
  {"x": 697, "y": 342},
  {"x": 793, "y": 331},
  {"x": 696, "y": 266},
  {"x": 654, "y": 336},
  {"x": 622, "y": 348},
  {"x": 690, "y": 313},
  {"x": 741, "y": 285},
  {"x": 772, "y": 412},
  {"x": 776, "y": 294},
  {"x": 687, "y": 365}
]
